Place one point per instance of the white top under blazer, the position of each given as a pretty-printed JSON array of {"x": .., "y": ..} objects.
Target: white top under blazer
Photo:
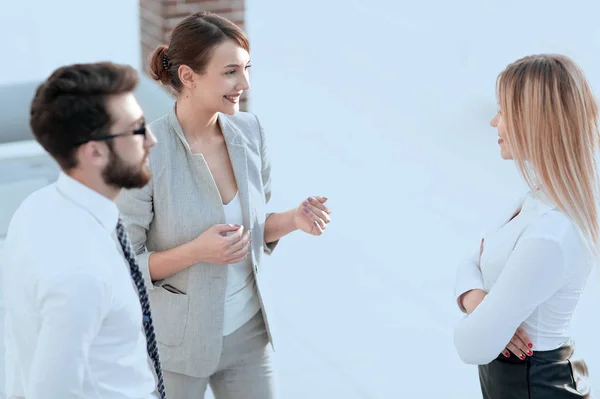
[{"x": 241, "y": 301}]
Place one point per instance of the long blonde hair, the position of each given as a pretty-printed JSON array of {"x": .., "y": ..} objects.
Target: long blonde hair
[{"x": 551, "y": 117}]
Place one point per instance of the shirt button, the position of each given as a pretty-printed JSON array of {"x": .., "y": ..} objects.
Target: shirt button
[{"x": 255, "y": 268}]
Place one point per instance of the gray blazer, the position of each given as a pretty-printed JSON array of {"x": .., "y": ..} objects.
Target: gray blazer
[{"x": 181, "y": 202}]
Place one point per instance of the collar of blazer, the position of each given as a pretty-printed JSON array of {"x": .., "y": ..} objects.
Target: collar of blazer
[{"x": 231, "y": 133}]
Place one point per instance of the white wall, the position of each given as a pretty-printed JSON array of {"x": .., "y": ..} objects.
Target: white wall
[
  {"x": 39, "y": 35},
  {"x": 384, "y": 107}
]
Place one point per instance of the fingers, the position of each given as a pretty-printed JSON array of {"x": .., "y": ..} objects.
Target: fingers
[
  {"x": 239, "y": 245},
  {"x": 241, "y": 254},
  {"x": 318, "y": 212},
  {"x": 519, "y": 348},
  {"x": 315, "y": 220},
  {"x": 226, "y": 228},
  {"x": 319, "y": 202},
  {"x": 515, "y": 350},
  {"x": 235, "y": 236},
  {"x": 318, "y": 230},
  {"x": 520, "y": 345},
  {"x": 522, "y": 335}
]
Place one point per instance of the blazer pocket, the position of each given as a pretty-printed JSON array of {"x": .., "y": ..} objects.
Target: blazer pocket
[
  {"x": 172, "y": 289},
  {"x": 170, "y": 315}
]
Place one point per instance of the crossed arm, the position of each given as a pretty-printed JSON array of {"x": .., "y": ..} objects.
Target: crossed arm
[{"x": 533, "y": 273}]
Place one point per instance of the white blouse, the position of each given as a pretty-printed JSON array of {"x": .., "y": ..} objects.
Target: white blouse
[{"x": 534, "y": 268}]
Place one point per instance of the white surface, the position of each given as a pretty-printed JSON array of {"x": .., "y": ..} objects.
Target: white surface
[
  {"x": 384, "y": 107},
  {"x": 42, "y": 35}
]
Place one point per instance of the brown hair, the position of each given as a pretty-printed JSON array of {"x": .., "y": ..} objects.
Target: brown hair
[
  {"x": 70, "y": 106},
  {"x": 551, "y": 118},
  {"x": 192, "y": 43}
]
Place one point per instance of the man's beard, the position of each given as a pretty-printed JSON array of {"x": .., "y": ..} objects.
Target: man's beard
[{"x": 121, "y": 175}]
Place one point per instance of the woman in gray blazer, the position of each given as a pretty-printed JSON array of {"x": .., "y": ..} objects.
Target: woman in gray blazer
[{"x": 200, "y": 227}]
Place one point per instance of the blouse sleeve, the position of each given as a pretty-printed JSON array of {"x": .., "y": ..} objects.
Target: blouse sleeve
[
  {"x": 533, "y": 273},
  {"x": 468, "y": 277}
]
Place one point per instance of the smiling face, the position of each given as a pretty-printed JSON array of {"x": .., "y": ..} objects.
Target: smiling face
[{"x": 225, "y": 78}]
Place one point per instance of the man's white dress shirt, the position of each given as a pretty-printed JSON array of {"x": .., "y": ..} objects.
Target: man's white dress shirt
[{"x": 73, "y": 318}]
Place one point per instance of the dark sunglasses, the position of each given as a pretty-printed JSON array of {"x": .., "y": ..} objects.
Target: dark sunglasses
[{"x": 140, "y": 130}]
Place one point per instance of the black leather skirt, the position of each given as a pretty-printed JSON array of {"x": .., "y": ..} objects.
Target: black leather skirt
[{"x": 545, "y": 375}]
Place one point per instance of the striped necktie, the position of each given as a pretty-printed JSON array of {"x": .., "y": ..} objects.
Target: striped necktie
[{"x": 138, "y": 280}]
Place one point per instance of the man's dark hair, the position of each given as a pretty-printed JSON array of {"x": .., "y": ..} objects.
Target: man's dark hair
[{"x": 70, "y": 106}]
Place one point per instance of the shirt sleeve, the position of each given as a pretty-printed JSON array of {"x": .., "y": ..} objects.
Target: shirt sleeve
[
  {"x": 71, "y": 312},
  {"x": 533, "y": 273},
  {"x": 468, "y": 277}
]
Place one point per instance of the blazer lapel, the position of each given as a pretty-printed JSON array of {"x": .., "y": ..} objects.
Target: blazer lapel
[{"x": 237, "y": 155}]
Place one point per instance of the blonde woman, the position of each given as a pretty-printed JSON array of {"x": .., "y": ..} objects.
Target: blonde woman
[{"x": 521, "y": 288}]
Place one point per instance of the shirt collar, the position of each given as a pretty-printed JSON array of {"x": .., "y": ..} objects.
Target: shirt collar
[
  {"x": 101, "y": 208},
  {"x": 538, "y": 200}
]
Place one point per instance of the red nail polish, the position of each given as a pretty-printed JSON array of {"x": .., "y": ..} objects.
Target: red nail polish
[
  {"x": 530, "y": 353},
  {"x": 522, "y": 356},
  {"x": 506, "y": 354},
  {"x": 530, "y": 345}
]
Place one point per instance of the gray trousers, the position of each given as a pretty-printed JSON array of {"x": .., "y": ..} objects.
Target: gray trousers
[{"x": 245, "y": 370}]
